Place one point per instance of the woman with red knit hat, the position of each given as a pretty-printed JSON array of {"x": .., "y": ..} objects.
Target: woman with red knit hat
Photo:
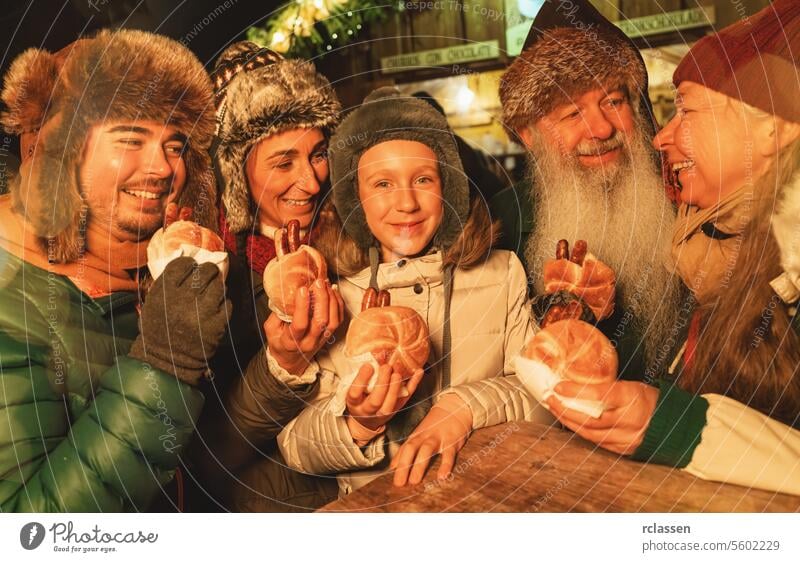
[{"x": 729, "y": 408}]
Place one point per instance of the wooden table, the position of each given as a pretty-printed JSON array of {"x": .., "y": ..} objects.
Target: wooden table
[{"x": 527, "y": 467}]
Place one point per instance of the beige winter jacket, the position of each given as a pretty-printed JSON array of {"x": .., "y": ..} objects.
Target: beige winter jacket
[{"x": 490, "y": 323}]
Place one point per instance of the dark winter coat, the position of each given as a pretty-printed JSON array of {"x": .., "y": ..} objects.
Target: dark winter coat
[{"x": 250, "y": 406}]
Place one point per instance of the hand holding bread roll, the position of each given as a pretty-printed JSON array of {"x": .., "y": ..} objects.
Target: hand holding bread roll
[
  {"x": 574, "y": 350},
  {"x": 295, "y": 266},
  {"x": 180, "y": 238},
  {"x": 583, "y": 275},
  {"x": 567, "y": 350}
]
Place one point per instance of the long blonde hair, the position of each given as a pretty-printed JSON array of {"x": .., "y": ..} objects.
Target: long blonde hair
[{"x": 747, "y": 348}]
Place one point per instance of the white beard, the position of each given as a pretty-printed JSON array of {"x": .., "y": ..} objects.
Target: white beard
[{"x": 623, "y": 213}]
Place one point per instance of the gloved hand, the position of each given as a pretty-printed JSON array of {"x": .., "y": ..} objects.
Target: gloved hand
[{"x": 183, "y": 319}]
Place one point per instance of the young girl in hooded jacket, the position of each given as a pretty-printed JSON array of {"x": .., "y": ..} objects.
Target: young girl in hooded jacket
[{"x": 408, "y": 227}]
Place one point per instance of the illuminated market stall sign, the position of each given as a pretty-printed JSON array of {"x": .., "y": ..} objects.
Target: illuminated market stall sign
[{"x": 440, "y": 57}]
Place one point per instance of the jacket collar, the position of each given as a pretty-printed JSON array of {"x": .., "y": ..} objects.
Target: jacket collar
[{"x": 404, "y": 272}]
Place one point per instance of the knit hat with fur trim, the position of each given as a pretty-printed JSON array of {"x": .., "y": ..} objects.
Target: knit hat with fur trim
[
  {"x": 260, "y": 100},
  {"x": 387, "y": 115},
  {"x": 114, "y": 76},
  {"x": 563, "y": 64},
  {"x": 753, "y": 60}
]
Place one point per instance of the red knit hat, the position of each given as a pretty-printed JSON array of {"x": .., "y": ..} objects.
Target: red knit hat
[{"x": 755, "y": 60}]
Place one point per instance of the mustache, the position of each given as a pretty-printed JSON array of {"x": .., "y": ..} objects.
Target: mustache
[
  {"x": 596, "y": 148},
  {"x": 162, "y": 185}
]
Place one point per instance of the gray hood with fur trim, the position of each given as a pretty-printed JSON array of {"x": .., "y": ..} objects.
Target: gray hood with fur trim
[{"x": 386, "y": 115}]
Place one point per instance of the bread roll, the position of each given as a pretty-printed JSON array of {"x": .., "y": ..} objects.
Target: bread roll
[
  {"x": 395, "y": 335},
  {"x": 594, "y": 282},
  {"x": 574, "y": 350},
  {"x": 285, "y": 274},
  {"x": 190, "y": 233},
  {"x": 189, "y": 239}
]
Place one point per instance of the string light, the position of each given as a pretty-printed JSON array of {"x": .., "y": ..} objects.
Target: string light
[{"x": 303, "y": 23}]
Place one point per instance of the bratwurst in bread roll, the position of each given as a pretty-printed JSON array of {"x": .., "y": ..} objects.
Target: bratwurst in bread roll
[
  {"x": 582, "y": 275},
  {"x": 391, "y": 335},
  {"x": 295, "y": 265}
]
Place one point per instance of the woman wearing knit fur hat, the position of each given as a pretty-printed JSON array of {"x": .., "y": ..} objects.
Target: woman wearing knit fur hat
[
  {"x": 274, "y": 117},
  {"x": 727, "y": 409},
  {"x": 401, "y": 193}
]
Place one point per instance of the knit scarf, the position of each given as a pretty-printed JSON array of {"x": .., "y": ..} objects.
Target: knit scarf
[
  {"x": 706, "y": 242},
  {"x": 259, "y": 249},
  {"x": 107, "y": 265}
]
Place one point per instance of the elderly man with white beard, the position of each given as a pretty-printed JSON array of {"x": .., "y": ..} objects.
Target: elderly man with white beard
[{"x": 576, "y": 99}]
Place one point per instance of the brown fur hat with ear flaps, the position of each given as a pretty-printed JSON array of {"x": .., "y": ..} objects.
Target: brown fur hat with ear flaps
[
  {"x": 563, "y": 64},
  {"x": 261, "y": 94},
  {"x": 121, "y": 75}
]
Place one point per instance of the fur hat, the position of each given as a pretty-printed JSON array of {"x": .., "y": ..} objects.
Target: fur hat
[
  {"x": 563, "y": 64},
  {"x": 571, "y": 49},
  {"x": 260, "y": 100},
  {"x": 753, "y": 60},
  {"x": 388, "y": 115},
  {"x": 115, "y": 75}
]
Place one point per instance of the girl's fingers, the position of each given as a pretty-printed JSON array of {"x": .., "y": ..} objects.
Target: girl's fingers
[
  {"x": 402, "y": 462},
  {"x": 448, "y": 457},
  {"x": 381, "y": 389},
  {"x": 414, "y": 381},
  {"x": 359, "y": 387},
  {"x": 426, "y": 452},
  {"x": 185, "y": 213},
  {"x": 389, "y": 405}
]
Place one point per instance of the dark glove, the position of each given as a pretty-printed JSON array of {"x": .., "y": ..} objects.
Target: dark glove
[
  {"x": 183, "y": 319},
  {"x": 546, "y": 308}
]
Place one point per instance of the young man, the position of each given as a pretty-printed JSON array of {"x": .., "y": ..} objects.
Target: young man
[{"x": 95, "y": 406}]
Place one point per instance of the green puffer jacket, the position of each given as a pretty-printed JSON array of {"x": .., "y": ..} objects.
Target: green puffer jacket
[{"x": 83, "y": 427}]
